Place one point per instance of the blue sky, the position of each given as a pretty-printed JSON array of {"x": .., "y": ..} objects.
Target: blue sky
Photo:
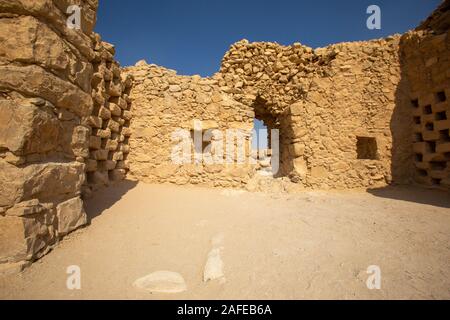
[{"x": 191, "y": 36}]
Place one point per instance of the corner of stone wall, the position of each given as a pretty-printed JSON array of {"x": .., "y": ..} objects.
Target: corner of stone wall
[
  {"x": 426, "y": 65},
  {"x": 48, "y": 76}
]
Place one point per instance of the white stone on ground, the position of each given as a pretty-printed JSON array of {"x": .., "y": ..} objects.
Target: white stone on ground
[
  {"x": 214, "y": 266},
  {"x": 162, "y": 282}
]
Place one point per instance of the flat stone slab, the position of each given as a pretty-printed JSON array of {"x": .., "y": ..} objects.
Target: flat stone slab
[{"x": 161, "y": 282}]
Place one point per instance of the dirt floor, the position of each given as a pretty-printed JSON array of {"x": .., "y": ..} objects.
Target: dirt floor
[{"x": 315, "y": 245}]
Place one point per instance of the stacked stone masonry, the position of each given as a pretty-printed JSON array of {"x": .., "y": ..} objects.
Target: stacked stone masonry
[
  {"x": 46, "y": 105},
  {"x": 427, "y": 56},
  {"x": 110, "y": 119},
  {"x": 164, "y": 102}
]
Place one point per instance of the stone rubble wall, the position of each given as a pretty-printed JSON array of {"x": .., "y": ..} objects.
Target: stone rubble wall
[
  {"x": 164, "y": 102},
  {"x": 322, "y": 101},
  {"x": 426, "y": 54},
  {"x": 46, "y": 104},
  {"x": 110, "y": 120}
]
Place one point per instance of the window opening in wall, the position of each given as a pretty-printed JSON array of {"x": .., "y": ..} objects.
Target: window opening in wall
[
  {"x": 267, "y": 155},
  {"x": 431, "y": 146},
  {"x": 419, "y": 157},
  {"x": 440, "y": 96},
  {"x": 441, "y": 116},
  {"x": 444, "y": 135},
  {"x": 417, "y": 120},
  {"x": 427, "y": 109},
  {"x": 429, "y": 126},
  {"x": 367, "y": 148},
  {"x": 418, "y": 137}
]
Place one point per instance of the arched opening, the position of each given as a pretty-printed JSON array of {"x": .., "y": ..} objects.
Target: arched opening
[{"x": 265, "y": 141}]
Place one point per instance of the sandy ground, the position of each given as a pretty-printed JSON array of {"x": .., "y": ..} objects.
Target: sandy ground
[{"x": 309, "y": 245}]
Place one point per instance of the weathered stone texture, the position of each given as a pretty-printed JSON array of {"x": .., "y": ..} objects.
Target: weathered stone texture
[
  {"x": 45, "y": 102},
  {"x": 164, "y": 102},
  {"x": 110, "y": 119},
  {"x": 321, "y": 100},
  {"x": 426, "y": 54}
]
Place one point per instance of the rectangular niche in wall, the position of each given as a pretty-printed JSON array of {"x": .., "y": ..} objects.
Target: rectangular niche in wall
[{"x": 366, "y": 148}]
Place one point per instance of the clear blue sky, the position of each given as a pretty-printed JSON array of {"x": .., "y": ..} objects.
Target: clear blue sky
[{"x": 191, "y": 36}]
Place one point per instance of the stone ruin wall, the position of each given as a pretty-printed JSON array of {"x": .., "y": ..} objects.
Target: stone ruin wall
[
  {"x": 48, "y": 123},
  {"x": 427, "y": 66},
  {"x": 164, "y": 102},
  {"x": 109, "y": 120},
  {"x": 321, "y": 100},
  {"x": 361, "y": 114}
]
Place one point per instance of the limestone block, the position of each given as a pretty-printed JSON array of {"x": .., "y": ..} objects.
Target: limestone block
[
  {"x": 70, "y": 216},
  {"x": 26, "y": 208},
  {"x": 104, "y": 113},
  {"x": 36, "y": 43},
  {"x": 126, "y": 132},
  {"x": 102, "y": 133},
  {"x": 95, "y": 142},
  {"x": 91, "y": 165},
  {"x": 115, "y": 109},
  {"x": 113, "y": 125},
  {"x": 127, "y": 115},
  {"x": 26, "y": 128},
  {"x": 300, "y": 166},
  {"x": 122, "y": 165},
  {"x": 119, "y": 101},
  {"x": 114, "y": 89},
  {"x": 107, "y": 165},
  {"x": 98, "y": 177},
  {"x": 24, "y": 238},
  {"x": 80, "y": 141},
  {"x": 111, "y": 145},
  {"x": 443, "y": 147},
  {"x": 118, "y": 156},
  {"x": 95, "y": 122},
  {"x": 35, "y": 81},
  {"x": 99, "y": 154},
  {"x": 117, "y": 174},
  {"x": 43, "y": 181}
]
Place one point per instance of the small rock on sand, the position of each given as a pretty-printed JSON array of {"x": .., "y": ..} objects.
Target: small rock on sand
[
  {"x": 161, "y": 281},
  {"x": 214, "y": 266}
]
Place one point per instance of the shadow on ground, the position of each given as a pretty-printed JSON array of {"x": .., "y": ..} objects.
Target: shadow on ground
[
  {"x": 418, "y": 194},
  {"x": 104, "y": 199}
]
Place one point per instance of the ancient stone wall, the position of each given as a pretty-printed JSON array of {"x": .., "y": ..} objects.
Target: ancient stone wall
[
  {"x": 336, "y": 107},
  {"x": 164, "y": 102},
  {"x": 338, "y": 110},
  {"x": 110, "y": 119},
  {"x": 46, "y": 70},
  {"x": 426, "y": 54}
]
